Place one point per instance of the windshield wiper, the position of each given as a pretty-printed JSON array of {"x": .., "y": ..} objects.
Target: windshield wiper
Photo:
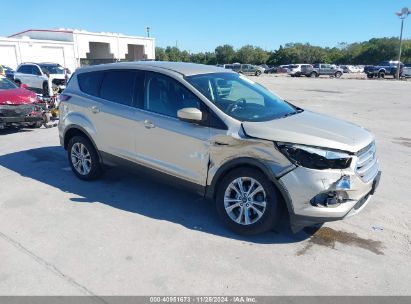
[{"x": 290, "y": 114}]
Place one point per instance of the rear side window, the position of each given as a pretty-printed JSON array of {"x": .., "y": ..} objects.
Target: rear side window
[
  {"x": 117, "y": 86},
  {"x": 90, "y": 82},
  {"x": 25, "y": 69}
]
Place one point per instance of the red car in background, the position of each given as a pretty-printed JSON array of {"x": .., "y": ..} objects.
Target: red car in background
[{"x": 18, "y": 106}]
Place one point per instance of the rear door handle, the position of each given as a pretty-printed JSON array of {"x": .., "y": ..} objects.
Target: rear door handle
[
  {"x": 148, "y": 124},
  {"x": 94, "y": 109}
]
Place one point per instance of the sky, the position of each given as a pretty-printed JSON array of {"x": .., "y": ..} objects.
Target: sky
[{"x": 196, "y": 26}]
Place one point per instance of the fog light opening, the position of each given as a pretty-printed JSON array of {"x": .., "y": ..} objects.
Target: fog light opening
[{"x": 330, "y": 199}]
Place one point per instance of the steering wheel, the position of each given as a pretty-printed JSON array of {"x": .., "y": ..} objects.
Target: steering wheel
[{"x": 236, "y": 104}]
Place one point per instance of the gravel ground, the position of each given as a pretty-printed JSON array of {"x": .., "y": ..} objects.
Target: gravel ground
[{"x": 127, "y": 235}]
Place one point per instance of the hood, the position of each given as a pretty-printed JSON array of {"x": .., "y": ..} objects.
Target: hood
[
  {"x": 17, "y": 96},
  {"x": 57, "y": 76},
  {"x": 309, "y": 128}
]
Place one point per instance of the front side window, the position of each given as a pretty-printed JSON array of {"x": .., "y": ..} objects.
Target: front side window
[
  {"x": 166, "y": 96},
  {"x": 241, "y": 98},
  {"x": 35, "y": 70}
]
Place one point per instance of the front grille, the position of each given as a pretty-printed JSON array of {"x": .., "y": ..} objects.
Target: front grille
[
  {"x": 367, "y": 163},
  {"x": 59, "y": 81}
]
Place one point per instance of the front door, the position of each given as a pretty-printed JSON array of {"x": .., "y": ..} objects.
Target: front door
[{"x": 165, "y": 143}]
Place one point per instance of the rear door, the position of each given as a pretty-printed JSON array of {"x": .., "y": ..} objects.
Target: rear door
[
  {"x": 37, "y": 78},
  {"x": 111, "y": 109}
]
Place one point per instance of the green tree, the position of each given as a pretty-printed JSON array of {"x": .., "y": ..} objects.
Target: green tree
[
  {"x": 161, "y": 54},
  {"x": 173, "y": 53},
  {"x": 245, "y": 54},
  {"x": 224, "y": 54}
]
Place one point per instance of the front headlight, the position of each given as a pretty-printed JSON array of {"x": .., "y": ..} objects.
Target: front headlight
[{"x": 315, "y": 158}]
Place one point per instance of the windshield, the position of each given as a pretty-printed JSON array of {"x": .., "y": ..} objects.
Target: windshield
[
  {"x": 6, "y": 84},
  {"x": 52, "y": 69},
  {"x": 241, "y": 98}
]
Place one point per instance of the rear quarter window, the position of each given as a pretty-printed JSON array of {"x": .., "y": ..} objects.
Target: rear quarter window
[{"x": 90, "y": 82}]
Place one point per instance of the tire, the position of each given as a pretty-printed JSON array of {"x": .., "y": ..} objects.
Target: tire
[
  {"x": 18, "y": 82},
  {"x": 381, "y": 75},
  {"x": 370, "y": 76},
  {"x": 313, "y": 74},
  {"x": 257, "y": 73},
  {"x": 79, "y": 148},
  {"x": 255, "y": 223},
  {"x": 338, "y": 74},
  {"x": 45, "y": 90},
  {"x": 37, "y": 125}
]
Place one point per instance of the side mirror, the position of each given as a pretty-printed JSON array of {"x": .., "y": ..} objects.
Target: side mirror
[
  {"x": 190, "y": 114},
  {"x": 24, "y": 86}
]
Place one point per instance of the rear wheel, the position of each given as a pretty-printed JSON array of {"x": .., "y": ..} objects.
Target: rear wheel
[
  {"x": 257, "y": 73},
  {"x": 83, "y": 158},
  {"x": 370, "y": 76},
  {"x": 338, "y": 74},
  {"x": 248, "y": 202}
]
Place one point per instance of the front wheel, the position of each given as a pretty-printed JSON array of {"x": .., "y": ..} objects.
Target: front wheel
[
  {"x": 338, "y": 75},
  {"x": 83, "y": 158},
  {"x": 257, "y": 73},
  {"x": 248, "y": 202}
]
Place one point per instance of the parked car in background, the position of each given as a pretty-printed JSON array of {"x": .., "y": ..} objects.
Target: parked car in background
[
  {"x": 7, "y": 71},
  {"x": 284, "y": 68},
  {"x": 383, "y": 69},
  {"x": 251, "y": 152},
  {"x": 271, "y": 70},
  {"x": 320, "y": 69},
  {"x": 45, "y": 78},
  {"x": 18, "y": 106},
  {"x": 406, "y": 70},
  {"x": 294, "y": 70},
  {"x": 345, "y": 68},
  {"x": 248, "y": 69}
]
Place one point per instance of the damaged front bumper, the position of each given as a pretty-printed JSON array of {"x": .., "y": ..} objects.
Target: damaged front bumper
[
  {"x": 15, "y": 115},
  {"x": 320, "y": 196}
]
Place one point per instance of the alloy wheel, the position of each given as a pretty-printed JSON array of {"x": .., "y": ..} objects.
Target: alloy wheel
[
  {"x": 245, "y": 200},
  {"x": 81, "y": 158}
]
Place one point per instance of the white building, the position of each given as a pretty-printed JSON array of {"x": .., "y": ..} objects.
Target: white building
[{"x": 73, "y": 48}]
